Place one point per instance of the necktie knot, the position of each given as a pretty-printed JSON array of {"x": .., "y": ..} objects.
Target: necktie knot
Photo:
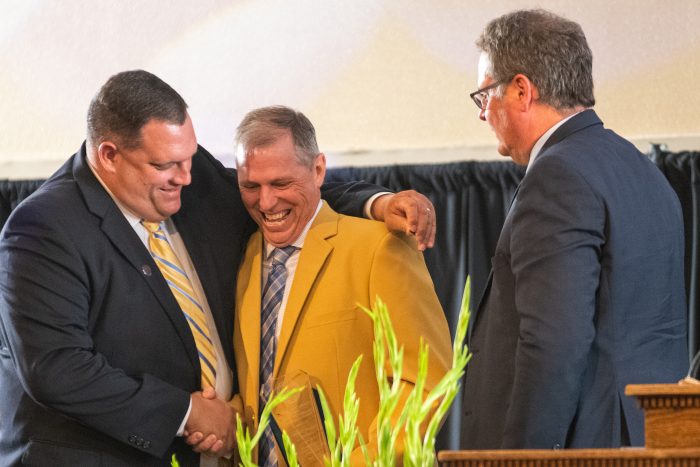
[
  {"x": 152, "y": 227},
  {"x": 281, "y": 255}
]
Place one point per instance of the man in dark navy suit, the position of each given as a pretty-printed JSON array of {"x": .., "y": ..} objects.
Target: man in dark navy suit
[
  {"x": 99, "y": 365},
  {"x": 587, "y": 292}
]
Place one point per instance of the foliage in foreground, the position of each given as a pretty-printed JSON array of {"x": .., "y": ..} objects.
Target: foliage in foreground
[{"x": 419, "y": 450}]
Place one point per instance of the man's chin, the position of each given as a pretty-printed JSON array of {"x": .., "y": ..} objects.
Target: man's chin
[
  {"x": 503, "y": 150},
  {"x": 167, "y": 211},
  {"x": 517, "y": 158},
  {"x": 277, "y": 239}
]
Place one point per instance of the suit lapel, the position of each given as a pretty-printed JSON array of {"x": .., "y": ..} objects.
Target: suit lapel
[
  {"x": 248, "y": 312},
  {"x": 484, "y": 294},
  {"x": 122, "y": 236},
  {"x": 312, "y": 257},
  {"x": 480, "y": 303}
]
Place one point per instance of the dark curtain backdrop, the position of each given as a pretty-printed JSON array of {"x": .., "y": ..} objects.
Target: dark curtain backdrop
[
  {"x": 682, "y": 169},
  {"x": 12, "y": 192},
  {"x": 471, "y": 200}
]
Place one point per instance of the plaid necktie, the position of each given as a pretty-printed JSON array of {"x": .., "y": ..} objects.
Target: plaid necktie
[
  {"x": 181, "y": 287},
  {"x": 271, "y": 299}
]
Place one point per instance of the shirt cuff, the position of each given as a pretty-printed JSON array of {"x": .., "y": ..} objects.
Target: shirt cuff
[
  {"x": 181, "y": 430},
  {"x": 370, "y": 201}
]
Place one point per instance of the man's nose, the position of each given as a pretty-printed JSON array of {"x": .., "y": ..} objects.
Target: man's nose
[
  {"x": 482, "y": 115},
  {"x": 267, "y": 198},
  {"x": 183, "y": 176}
]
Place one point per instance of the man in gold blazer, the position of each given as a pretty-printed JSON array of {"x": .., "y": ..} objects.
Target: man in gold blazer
[{"x": 336, "y": 264}]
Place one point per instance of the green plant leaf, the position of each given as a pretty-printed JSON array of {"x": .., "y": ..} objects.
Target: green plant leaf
[{"x": 388, "y": 361}]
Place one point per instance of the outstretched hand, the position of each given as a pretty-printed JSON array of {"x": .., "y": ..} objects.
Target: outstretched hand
[{"x": 409, "y": 212}]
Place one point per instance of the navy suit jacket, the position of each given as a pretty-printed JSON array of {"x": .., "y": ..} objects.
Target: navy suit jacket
[
  {"x": 97, "y": 362},
  {"x": 586, "y": 295}
]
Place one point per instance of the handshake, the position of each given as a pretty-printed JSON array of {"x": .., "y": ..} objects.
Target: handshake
[{"x": 211, "y": 426}]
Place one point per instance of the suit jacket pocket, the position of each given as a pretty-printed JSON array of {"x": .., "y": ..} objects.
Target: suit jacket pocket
[
  {"x": 313, "y": 320},
  {"x": 41, "y": 453}
]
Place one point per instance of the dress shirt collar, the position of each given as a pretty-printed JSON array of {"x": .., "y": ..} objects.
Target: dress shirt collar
[{"x": 539, "y": 144}]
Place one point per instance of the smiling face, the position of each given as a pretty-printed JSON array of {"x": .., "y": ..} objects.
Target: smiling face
[
  {"x": 280, "y": 193},
  {"x": 148, "y": 179}
]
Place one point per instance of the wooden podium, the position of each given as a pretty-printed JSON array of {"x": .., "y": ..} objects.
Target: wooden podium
[
  {"x": 671, "y": 414},
  {"x": 626, "y": 457},
  {"x": 672, "y": 438}
]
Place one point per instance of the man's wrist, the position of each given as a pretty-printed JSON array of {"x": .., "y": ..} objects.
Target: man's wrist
[
  {"x": 181, "y": 430},
  {"x": 369, "y": 204}
]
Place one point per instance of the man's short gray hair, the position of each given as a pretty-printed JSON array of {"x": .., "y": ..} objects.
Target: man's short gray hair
[
  {"x": 550, "y": 50},
  {"x": 265, "y": 125}
]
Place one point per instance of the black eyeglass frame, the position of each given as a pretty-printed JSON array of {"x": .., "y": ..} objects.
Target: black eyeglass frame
[{"x": 478, "y": 101}]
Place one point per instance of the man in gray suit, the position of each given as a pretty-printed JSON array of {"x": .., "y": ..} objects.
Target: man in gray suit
[{"x": 586, "y": 293}]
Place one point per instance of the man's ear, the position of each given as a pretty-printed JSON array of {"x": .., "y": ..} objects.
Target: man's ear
[
  {"x": 527, "y": 91},
  {"x": 320, "y": 169},
  {"x": 107, "y": 155}
]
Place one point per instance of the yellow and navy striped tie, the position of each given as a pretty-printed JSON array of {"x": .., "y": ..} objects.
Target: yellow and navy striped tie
[{"x": 181, "y": 287}]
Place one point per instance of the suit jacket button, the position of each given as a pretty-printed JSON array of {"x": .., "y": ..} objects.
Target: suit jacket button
[
  {"x": 146, "y": 270},
  {"x": 132, "y": 439},
  {"x": 556, "y": 447},
  {"x": 146, "y": 444}
]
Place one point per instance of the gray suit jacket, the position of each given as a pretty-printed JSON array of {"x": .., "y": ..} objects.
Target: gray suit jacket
[{"x": 586, "y": 295}]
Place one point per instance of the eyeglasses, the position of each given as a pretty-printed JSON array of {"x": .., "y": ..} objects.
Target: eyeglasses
[{"x": 481, "y": 97}]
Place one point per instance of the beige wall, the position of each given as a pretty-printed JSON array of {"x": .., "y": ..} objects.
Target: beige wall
[{"x": 384, "y": 81}]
